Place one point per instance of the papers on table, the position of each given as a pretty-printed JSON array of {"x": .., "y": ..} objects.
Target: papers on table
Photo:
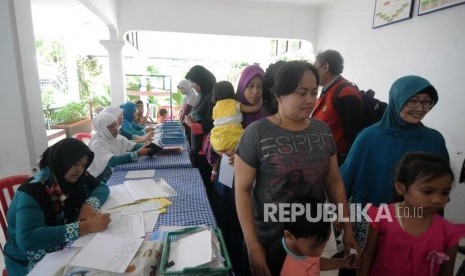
[
  {"x": 182, "y": 256},
  {"x": 149, "y": 188},
  {"x": 140, "y": 174},
  {"x": 150, "y": 219},
  {"x": 140, "y": 207},
  {"x": 134, "y": 207},
  {"x": 108, "y": 252},
  {"x": 130, "y": 225},
  {"x": 135, "y": 190},
  {"x": 144, "y": 262},
  {"x": 126, "y": 226},
  {"x": 119, "y": 195}
]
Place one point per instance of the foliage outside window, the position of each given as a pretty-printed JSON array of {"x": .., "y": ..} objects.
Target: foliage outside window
[
  {"x": 177, "y": 97},
  {"x": 70, "y": 113},
  {"x": 53, "y": 52}
]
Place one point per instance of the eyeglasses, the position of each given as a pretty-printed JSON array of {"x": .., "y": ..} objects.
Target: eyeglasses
[{"x": 414, "y": 103}]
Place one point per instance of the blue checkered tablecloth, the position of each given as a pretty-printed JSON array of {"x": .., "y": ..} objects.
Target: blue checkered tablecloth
[
  {"x": 159, "y": 161},
  {"x": 190, "y": 207}
]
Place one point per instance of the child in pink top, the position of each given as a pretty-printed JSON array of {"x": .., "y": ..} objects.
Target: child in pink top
[{"x": 409, "y": 237}]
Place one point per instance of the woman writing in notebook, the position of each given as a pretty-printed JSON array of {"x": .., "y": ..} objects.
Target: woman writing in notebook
[{"x": 54, "y": 207}]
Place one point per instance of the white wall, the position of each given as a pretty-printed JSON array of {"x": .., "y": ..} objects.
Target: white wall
[
  {"x": 218, "y": 17},
  {"x": 432, "y": 46},
  {"x": 22, "y": 139}
]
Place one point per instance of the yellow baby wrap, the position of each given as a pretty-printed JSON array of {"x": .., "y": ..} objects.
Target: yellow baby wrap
[{"x": 225, "y": 136}]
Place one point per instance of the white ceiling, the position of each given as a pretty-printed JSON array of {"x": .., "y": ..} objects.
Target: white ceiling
[
  {"x": 57, "y": 15},
  {"x": 293, "y": 2},
  {"x": 52, "y": 17},
  {"x": 71, "y": 19}
]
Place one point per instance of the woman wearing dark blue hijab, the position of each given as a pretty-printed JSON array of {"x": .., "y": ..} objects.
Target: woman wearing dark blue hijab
[{"x": 368, "y": 171}]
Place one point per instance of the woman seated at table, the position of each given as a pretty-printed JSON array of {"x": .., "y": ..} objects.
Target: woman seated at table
[
  {"x": 54, "y": 207},
  {"x": 110, "y": 148},
  {"x": 129, "y": 113},
  {"x": 118, "y": 113},
  {"x": 140, "y": 118}
]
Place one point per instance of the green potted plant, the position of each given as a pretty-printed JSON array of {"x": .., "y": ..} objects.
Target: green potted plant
[
  {"x": 73, "y": 118},
  {"x": 98, "y": 103}
]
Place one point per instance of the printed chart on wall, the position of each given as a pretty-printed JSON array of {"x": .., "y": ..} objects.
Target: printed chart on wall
[
  {"x": 391, "y": 11},
  {"x": 427, "y": 6}
]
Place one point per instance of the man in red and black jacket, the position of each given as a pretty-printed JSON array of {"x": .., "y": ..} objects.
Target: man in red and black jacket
[{"x": 346, "y": 118}]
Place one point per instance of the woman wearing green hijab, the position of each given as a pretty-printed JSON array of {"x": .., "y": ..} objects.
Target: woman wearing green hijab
[{"x": 368, "y": 171}]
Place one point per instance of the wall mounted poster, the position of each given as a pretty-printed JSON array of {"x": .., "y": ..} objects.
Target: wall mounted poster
[
  {"x": 427, "y": 6},
  {"x": 391, "y": 11}
]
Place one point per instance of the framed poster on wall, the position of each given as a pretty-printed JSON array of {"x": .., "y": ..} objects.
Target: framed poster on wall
[
  {"x": 389, "y": 12},
  {"x": 429, "y": 6}
]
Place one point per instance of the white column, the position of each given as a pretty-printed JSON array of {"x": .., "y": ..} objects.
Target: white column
[
  {"x": 34, "y": 121},
  {"x": 23, "y": 137},
  {"x": 117, "y": 83}
]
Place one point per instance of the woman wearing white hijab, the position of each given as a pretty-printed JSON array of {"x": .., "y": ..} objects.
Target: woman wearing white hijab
[
  {"x": 118, "y": 113},
  {"x": 188, "y": 104},
  {"x": 185, "y": 87},
  {"x": 111, "y": 149}
]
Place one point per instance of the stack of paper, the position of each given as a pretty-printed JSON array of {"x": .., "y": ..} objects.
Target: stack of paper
[
  {"x": 181, "y": 255},
  {"x": 108, "y": 252},
  {"x": 140, "y": 174},
  {"x": 135, "y": 190},
  {"x": 157, "y": 204},
  {"x": 144, "y": 262},
  {"x": 125, "y": 226},
  {"x": 172, "y": 134}
]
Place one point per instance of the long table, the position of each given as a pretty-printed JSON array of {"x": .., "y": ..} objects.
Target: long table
[
  {"x": 190, "y": 207},
  {"x": 159, "y": 161}
]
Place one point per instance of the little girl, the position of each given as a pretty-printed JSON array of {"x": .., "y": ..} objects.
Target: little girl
[
  {"x": 227, "y": 114},
  {"x": 409, "y": 237}
]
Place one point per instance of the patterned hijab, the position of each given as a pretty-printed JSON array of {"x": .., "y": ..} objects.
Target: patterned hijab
[
  {"x": 401, "y": 91},
  {"x": 247, "y": 75}
]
